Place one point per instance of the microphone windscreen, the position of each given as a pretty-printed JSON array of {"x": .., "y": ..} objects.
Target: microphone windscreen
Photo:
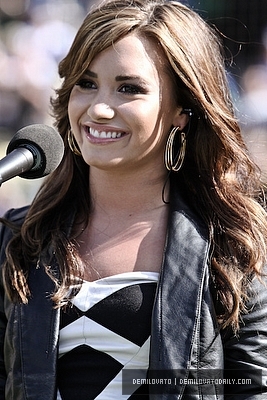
[{"x": 41, "y": 139}]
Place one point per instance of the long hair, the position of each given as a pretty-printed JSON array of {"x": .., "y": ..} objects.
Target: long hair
[{"x": 218, "y": 176}]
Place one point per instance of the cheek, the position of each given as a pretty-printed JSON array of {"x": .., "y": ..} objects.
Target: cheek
[
  {"x": 141, "y": 115},
  {"x": 72, "y": 108},
  {"x": 153, "y": 119},
  {"x": 74, "y": 113},
  {"x": 76, "y": 105}
]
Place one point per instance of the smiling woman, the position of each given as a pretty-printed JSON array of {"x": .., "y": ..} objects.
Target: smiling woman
[{"x": 144, "y": 253}]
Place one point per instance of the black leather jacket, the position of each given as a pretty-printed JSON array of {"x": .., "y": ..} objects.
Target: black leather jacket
[{"x": 185, "y": 337}]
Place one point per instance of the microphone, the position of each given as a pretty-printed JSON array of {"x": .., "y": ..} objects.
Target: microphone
[{"x": 33, "y": 152}]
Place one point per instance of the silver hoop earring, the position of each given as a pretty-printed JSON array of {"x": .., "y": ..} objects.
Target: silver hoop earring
[
  {"x": 72, "y": 144},
  {"x": 174, "y": 163}
]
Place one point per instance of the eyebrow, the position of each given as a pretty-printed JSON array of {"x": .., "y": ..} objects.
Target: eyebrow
[
  {"x": 90, "y": 73},
  {"x": 119, "y": 78}
]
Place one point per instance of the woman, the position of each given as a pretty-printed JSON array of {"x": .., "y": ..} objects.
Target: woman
[{"x": 145, "y": 249}]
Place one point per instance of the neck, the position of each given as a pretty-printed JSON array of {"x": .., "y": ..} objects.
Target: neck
[{"x": 126, "y": 194}]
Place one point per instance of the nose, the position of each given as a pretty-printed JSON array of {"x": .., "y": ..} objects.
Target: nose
[{"x": 98, "y": 111}]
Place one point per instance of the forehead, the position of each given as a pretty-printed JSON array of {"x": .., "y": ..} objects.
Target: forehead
[{"x": 132, "y": 53}]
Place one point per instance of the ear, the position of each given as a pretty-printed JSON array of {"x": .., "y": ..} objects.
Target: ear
[{"x": 180, "y": 119}]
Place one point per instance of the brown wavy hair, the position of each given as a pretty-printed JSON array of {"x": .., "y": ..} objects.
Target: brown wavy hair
[{"x": 218, "y": 176}]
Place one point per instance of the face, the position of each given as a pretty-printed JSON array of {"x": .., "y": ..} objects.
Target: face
[{"x": 123, "y": 108}]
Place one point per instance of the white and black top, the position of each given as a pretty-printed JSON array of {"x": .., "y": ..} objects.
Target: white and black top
[{"x": 106, "y": 330}]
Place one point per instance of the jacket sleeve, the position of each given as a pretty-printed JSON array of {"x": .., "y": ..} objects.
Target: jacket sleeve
[
  {"x": 4, "y": 237},
  {"x": 17, "y": 216},
  {"x": 245, "y": 354}
]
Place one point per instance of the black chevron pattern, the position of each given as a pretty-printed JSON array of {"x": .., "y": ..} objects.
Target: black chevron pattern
[{"x": 115, "y": 330}]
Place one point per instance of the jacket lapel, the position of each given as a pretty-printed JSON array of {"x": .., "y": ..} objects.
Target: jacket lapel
[
  {"x": 39, "y": 327},
  {"x": 177, "y": 305}
]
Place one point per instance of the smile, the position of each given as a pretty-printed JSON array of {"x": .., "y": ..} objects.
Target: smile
[{"x": 103, "y": 134}]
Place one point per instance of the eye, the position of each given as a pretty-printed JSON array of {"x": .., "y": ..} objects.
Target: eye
[
  {"x": 132, "y": 89},
  {"x": 86, "y": 84}
]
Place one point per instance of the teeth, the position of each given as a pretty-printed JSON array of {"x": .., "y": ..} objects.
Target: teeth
[{"x": 104, "y": 135}]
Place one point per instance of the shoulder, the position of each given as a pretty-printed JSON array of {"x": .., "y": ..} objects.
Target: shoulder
[
  {"x": 9, "y": 223},
  {"x": 254, "y": 320},
  {"x": 257, "y": 300},
  {"x": 245, "y": 353},
  {"x": 16, "y": 215}
]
